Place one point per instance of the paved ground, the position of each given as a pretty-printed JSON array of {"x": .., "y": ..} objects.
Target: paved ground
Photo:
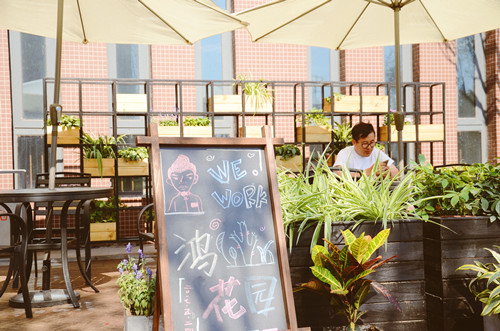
[{"x": 98, "y": 311}]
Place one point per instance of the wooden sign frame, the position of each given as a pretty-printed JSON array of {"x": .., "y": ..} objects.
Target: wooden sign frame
[{"x": 267, "y": 143}]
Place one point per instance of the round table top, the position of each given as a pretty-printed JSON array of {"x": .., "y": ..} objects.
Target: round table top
[{"x": 57, "y": 194}]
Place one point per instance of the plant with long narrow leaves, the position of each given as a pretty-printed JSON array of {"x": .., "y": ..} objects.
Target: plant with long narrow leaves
[
  {"x": 100, "y": 148},
  {"x": 340, "y": 273},
  {"x": 487, "y": 279}
]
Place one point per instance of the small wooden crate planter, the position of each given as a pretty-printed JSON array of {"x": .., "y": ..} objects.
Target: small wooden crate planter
[
  {"x": 403, "y": 276},
  {"x": 102, "y": 231},
  {"x": 252, "y": 131},
  {"x": 426, "y": 132},
  {"x": 189, "y": 131},
  {"x": 125, "y": 168},
  {"x": 129, "y": 102},
  {"x": 65, "y": 136},
  {"x": 314, "y": 134},
  {"x": 450, "y": 305},
  {"x": 352, "y": 104},
  {"x": 294, "y": 164},
  {"x": 231, "y": 103}
]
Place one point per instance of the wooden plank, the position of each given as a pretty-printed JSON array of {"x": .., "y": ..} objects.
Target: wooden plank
[
  {"x": 189, "y": 131},
  {"x": 127, "y": 102},
  {"x": 102, "y": 231},
  {"x": 108, "y": 167},
  {"x": 314, "y": 134},
  {"x": 65, "y": 136},
  {"x": 231, "y": 103},
  {"x": 133, "y": 168},
  {"x": 426, "y": 132},
  {"x": 352, "y": 104},
  {"x": 294, "y": 164},
  {"x": 465, "y": 227},
  {"x": 251, "y": 131}
]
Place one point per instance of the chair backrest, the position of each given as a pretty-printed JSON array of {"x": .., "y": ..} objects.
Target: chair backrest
[{"x": 64, "y": 179}]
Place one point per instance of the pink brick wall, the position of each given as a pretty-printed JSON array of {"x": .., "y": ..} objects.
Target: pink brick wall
[
  {"x": 6, "y": 159},
  {"x": 492, "y": 50}
]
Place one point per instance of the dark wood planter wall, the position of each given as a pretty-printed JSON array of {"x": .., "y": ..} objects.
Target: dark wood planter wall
[
  {"x": 403, "y": 276},
  {"x": 450, "y": 305}
]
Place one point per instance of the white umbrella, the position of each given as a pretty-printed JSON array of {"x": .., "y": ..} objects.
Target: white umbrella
[
  {"x": 113, "y": 21},
  {"x": 347, "y": 24}
]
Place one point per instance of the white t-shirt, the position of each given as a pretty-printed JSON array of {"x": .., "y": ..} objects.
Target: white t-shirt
[{"x": 357, "y": 161}]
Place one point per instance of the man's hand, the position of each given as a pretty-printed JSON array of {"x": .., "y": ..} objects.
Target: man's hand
[{"x": 382, "y": 169}]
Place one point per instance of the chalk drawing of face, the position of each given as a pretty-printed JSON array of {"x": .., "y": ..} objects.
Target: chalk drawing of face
[{"x": 182, "y": 174}]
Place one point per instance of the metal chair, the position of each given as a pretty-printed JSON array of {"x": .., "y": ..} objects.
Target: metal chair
[
  {"x": 147, "y": 219},
  {"x": 80, "y": 232},
  {"x": 16, "y": 251}
]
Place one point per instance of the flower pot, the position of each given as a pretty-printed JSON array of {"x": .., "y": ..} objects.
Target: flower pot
[
  {"x": 138, "y": 323},
  {"x": 252, "y": 131},
  {"x": 426, "y": 132},
  {"x": 65, "y": 136},
  {"x": 294, "y": 164},
  {"x": 102, "y": 231},
  {"x": 352, "y": 104},
  {"x": 108, "y": 167},
  {"x": 403, "y": 276},
  {"x": 133, "y": 168},
  {"x": 314, "y": 134},
  {"x": 450, "y": 304},
  {"x": 231, "y": 103},
  {"x": 189, "y": 131}
]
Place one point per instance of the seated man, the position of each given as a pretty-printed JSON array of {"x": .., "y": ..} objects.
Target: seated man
[{"x": 363, "y": 154}]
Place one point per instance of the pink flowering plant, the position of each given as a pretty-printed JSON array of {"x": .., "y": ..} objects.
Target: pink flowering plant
[{"x": 137, "y": 284}]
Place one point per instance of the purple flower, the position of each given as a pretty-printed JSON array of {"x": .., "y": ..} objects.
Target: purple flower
[
  {"x": 125, "y": 261},
  {"x": 134, "y": 268},
  {"x": 129, "y": 248},
  {"x": 141, "y": 255},
  {"x": 149, "y": 272},
  {"x": 120, "y": 270},
  {"x": 139, "y": 275},
  {"x": 392, "y": 110}
]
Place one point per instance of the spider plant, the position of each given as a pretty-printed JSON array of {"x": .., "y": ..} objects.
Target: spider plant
[
  {"x": 100, "y": 148},
  {"x": 258, "y": 93}
]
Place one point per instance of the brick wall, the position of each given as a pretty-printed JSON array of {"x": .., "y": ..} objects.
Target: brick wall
[
  {"x": 492, "y": 53},
  {"x": 6, "y": 160}
]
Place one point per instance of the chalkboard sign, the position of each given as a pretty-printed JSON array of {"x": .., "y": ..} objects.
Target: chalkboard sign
[{"x": 225, "y": 267}]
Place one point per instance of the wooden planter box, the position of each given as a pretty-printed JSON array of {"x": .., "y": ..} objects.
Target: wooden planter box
[
  {"x": 294, "y": 164},
  {"x": 314, "y": 134},
  {"x": 189, "y": 131},
  {"x": 450, "y": 305},
  {"x": 102, "y": 231},
  {"x": 231, "y": 103},
  {"x": 65, "y": 136},
  {"x": 128, "y": 102},
  {"x": 352, "y": 104},
  {"x": 426, "y": 132},
  {"x": 403, "y": 276},
  {"x": 130, "y": 168},
  {"x": 252, "y": 131}
]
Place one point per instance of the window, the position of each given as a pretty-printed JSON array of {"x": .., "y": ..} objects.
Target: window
[
  {"x": 466, "y": 77},
  {"x": 34, "y": 69},
  {"x": 127, "y": 66},
  {"x": 390, "y": 73},
  {"x": 319, "y": 64}
]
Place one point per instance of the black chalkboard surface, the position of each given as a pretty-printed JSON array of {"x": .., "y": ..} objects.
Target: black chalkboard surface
[{"x": 224, "y": 272}]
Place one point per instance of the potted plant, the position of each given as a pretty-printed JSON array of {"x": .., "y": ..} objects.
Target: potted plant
[
  {"x": 99, "y": 154},
  {"x": 193, "y": 127},
  {"x": 468, "y": 205},
  {"x": 258, "y": 98},
  {"x": 318, "y": 203},
  {"x": 68, "y": 130},
  {"x": 137, "y": 286},
  {"x": 352, "y": 103},
  {"x": 340, "y": 274},
  {"x": 133, "y": 161},
  {"x": 317, "y": 127},
  {"x": 486, "y": 288},
  {"x": 103, "y": 219},
  {"x": 288, "y": 156},
  {"x": 426, "y": 132}
]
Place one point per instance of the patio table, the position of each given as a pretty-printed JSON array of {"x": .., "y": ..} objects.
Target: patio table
[{"x": 47, "y": 296}]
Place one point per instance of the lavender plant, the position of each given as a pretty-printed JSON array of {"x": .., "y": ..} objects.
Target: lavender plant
[{"x": 137, "y": 284}]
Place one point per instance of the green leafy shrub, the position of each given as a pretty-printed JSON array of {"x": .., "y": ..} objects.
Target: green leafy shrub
[
  {"x": 458, "y": 190},
  {"x": 99, "y": 148},
  {"x": 487, "y": 279},
  {"x": 341, "y": 273},
  {"x": 258, "y": 93},
  {"x": 105, "y": 210},
  {"x": 67, "y": 121},
  {"x": 133, "y": 153},
  {"x": 315, "y": 117},
  {"x": 342, "y": 136},
  {"x": 136, "y": 285},
  {"x": 287, "y": 151},
  {"x": 188, "y": 121}
]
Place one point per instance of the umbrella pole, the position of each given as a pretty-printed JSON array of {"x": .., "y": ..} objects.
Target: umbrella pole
[
  {"x": 397, "y": 9},
  {"x": 56, "y": 108}
]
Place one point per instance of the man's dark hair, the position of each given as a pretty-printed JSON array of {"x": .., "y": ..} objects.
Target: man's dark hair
[{"x": 362, "y": 130}]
